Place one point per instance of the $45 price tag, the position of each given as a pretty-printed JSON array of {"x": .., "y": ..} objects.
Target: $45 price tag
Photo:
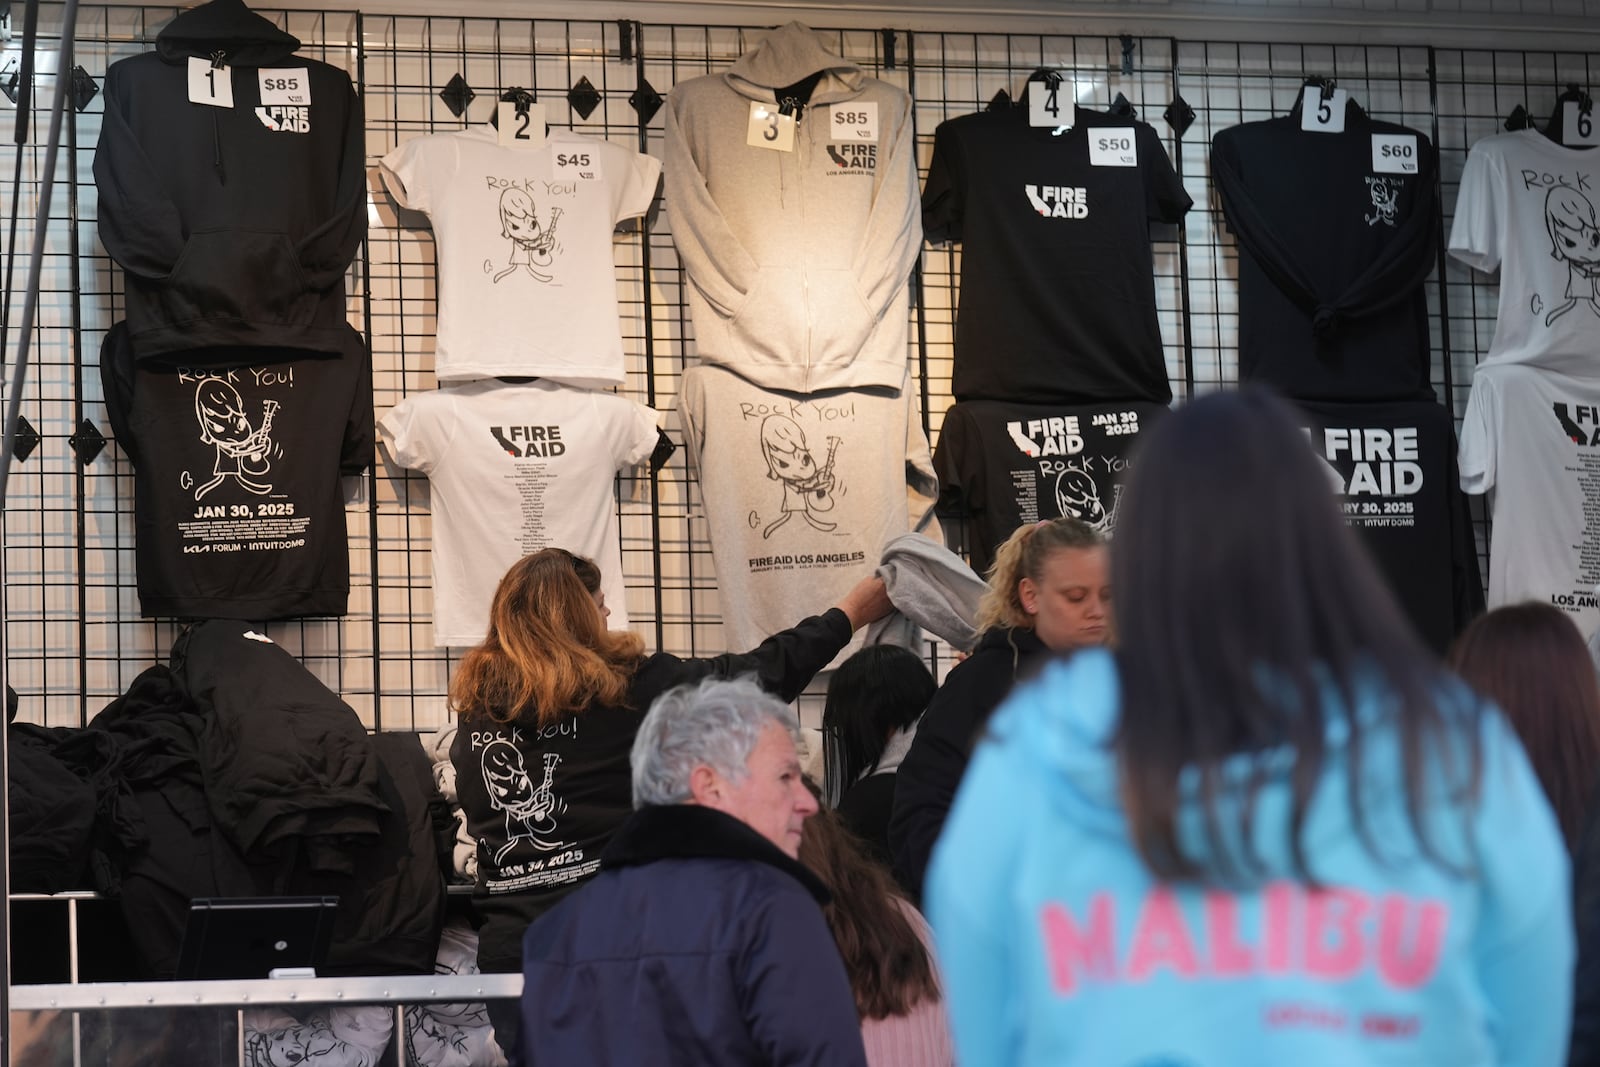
[
  {"x": 853, "y": 122},
  {"x": 576, "y": 164},
  {"x": 1394, "y": 153},
  {"x": 1113, "y": 146}
]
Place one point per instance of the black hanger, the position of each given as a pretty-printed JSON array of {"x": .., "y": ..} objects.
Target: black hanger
[
  {"x": 1572, "y": 94},
  {"x": 523, "y": 98}
]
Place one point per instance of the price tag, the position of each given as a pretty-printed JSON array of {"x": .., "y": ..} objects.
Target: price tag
[
  {"x": 1050, "y": 107},
  {"x": 854, "y": 122},
  {"x": 208, "y": 84},
  {"x": 289, "y": 85},
  {"x": 770, "y": 128},
  {"x": 1394, "y": 153},
  {"x": 520, "y": 130},
  {"x": 576, "y": 164},
  {"x": 1322, "y": 115},
  {"x": 1113, "y": 146},
  {"x": 1578, "y": 128}
]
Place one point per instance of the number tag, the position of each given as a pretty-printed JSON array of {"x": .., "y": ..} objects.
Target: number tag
[
  {"x": 1113, "y": 146},
  {"x": 854, "y": 122},
  {"x": 576, "y": 164},
  {"x": 1578, "y": 128},
  {"x": 1047, "y": 107},
  {"x": 1394, "y": 153},
  {"x": 770, "y": 128},
  {"x": 1322, "y": 116},
  {"x": 524, "y": 130},
  {"x": 291, "y": 86},
  {"x": 208, "y": 84}
]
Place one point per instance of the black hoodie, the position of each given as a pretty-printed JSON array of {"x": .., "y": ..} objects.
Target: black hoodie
[{"x": 235, "y": 226}]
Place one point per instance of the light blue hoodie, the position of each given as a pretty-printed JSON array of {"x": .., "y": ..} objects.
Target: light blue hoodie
[{"x": 1059, "y": 948}]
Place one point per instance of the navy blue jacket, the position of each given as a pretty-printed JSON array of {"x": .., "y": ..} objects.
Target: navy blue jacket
[{"x": 699, "y": 943}]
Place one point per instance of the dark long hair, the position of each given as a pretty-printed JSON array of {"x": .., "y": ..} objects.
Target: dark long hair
[
  {"x": 1249, "y": 616},
  {"x": 890, "y": 968},
  {"x": 1531, "y": 660},
  {"x": 877, "y": 691}
]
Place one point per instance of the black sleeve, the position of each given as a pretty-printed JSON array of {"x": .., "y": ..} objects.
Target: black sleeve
[
  {"x": 1466, "y": 577},
  {"x": 1165, "y": 198},
  {"x": 944, "y": 196},
  {"x": 326, "y": 252},
  {"x": 1391, "y": 278},
  {"x": 116, "y": 382},
  {"x": 139, "y": 225},
  {"x": 360, "y": 435},
  {"x": 958, "y": 462},
  {"x": 783, "y": 664}
]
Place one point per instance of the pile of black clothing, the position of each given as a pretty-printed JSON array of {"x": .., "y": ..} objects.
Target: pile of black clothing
[{"x": 235, "y": 772}]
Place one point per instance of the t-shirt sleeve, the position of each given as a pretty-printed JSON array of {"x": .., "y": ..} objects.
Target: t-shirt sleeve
[
  {"x": 405, "y": 173},
  {"x": 636, "y": 193},
  {"x": 355, "y": 453},
  {"x": 415, "y": 434},
  {"x": 945, "y": 194},
  {"x": 1475, "y": 453},
  {"x": 1165, "y": 198},
  {"x": 633, "y": 431},
  {"x": 956, "y": 461},
  {"x": 1476, "y": 235}
]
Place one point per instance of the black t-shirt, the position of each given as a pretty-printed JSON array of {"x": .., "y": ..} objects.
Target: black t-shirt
[
  {"x": 1004, "y": 465},
  {"x": 1058, "y": 300},
  {"x": 1333, "y": 254},
  {"x": 238, "y": 508},
  {"x": 1397, "y": 482}
]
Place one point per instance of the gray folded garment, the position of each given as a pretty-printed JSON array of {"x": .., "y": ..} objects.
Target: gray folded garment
[{"x": 930, "y": 588}]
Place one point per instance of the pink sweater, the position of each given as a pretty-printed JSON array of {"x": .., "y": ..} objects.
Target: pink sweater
[{"x": 918, "y": 1039}]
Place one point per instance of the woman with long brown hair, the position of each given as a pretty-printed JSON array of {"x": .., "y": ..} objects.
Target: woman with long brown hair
[
  {"x": 886, "y": 946},
  {"x": 549, "y": 705}
]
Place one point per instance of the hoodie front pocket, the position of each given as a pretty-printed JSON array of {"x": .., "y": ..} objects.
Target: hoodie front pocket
[
  {"x": 800, "y": 315},
  {"x": 249, "y": 275}
]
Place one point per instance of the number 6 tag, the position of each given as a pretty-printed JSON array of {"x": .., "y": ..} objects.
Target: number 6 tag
[
  {"x": 770, "y": 128},
  {"x": 1576, "y": 127}
]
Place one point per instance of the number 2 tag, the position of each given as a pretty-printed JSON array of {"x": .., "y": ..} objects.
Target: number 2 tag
[
  {"x": 285, "y": 86},
  {"x": 1319, "y": 115},
  {"x": 1578, "y": 128},
  {"x": 770, "y": 128},
  {"x": 853, "y": 122},
  {"x": 1113, "y": 146},
  {"x": 208, "y": 84},
  {"x": 523, "y": 129},
  {"x": 1047, "y": 108},
  {"x": 1394, "y": 153}
]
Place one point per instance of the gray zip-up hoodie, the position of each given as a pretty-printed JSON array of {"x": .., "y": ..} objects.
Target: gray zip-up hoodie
[{"x": 798, "y": 261}]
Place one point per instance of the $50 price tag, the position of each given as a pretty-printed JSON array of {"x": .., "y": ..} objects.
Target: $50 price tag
[
  {"x": 576, "y": 164},
  {"x": 853, "y": 122},
  {"x": 1113, "y": 146},
  {"x": 1394, "y": 153}
]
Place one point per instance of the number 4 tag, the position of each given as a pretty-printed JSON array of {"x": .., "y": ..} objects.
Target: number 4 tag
[
  {"x": 1047, "y": 108},
  {"x": 1576, "y": 127}
]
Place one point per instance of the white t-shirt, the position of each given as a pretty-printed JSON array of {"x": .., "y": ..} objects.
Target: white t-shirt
[
  {"x": 513, "y": 469},
  {"x": 1528, "y": 208},
  {"x": 527, "y": 283},
  {"x": 1533, "y": 437}
]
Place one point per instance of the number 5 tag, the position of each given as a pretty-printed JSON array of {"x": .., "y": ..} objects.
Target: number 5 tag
[
  {"x": 770, "y": 128},
  {"x": 208, "y": 84},
  {"x": 1319, "y": 115},
  {"x": 1578, "y": 128}
]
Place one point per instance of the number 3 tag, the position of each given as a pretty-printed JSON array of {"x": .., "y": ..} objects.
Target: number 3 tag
[
  {"x": 1578, "y": 128},
  {"x": 208, "y": 84},
  {"x": 1318, "y": 115},
  {"x": 770, "y": 128},
  {"x": 286, "y": 86},
  {"x": 524, "y": 130}
]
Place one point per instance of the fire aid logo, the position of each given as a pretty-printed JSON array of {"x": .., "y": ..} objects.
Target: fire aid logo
[
  {"x": 1058, "y": 201},
  {"x": 529, "y": 442},
  {"x": 1580, "y": 422},
  {"x": 285, "y": 118},
  {"x": 850, "y": 158}
]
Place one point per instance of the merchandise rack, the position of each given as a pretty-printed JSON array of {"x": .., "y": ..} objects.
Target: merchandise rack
[{"x": 73, "y": 630}]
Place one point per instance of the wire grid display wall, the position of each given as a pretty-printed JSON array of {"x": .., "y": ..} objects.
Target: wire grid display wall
[{"x": 73, "y": 630}]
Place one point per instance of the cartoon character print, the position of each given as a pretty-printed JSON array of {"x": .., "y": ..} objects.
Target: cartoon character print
[
  {"x": 1569, "y": 219},
  {"x": 530, "y": 812},
  {"x": 288, "y": 1046},
  {"x": 1385, "y": 202},
  {"x": 807, "y": 488},
  {"x": 1079, "y": 498},
  {"x": 532, "y": 245},
  {"x": 244, "y": 452},
  {"x": 448, "y": 1034}
]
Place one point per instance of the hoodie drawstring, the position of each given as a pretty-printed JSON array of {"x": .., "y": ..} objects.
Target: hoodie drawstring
[{"x": 218, "y": 60}]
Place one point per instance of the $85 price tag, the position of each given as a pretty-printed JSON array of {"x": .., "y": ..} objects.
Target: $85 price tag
[
  {"x": 285, "y": 86},
  {"x": 853, "y": 122}
]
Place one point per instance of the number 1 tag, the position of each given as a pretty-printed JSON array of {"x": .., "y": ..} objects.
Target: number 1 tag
[
  {"x": 1394, "y": 153},
  {"x": 1318, "y": 115},
  {"x": 1578, "y": 128},
  {"x": 1113, "y": 146},
  {"x": 520, "y": 129},
  {"x": 854, "y": 122},
  {"x": 208, "y": 84},
  {"x": 770, "y": 128},
  {"x": 1047, "y": 108}
]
